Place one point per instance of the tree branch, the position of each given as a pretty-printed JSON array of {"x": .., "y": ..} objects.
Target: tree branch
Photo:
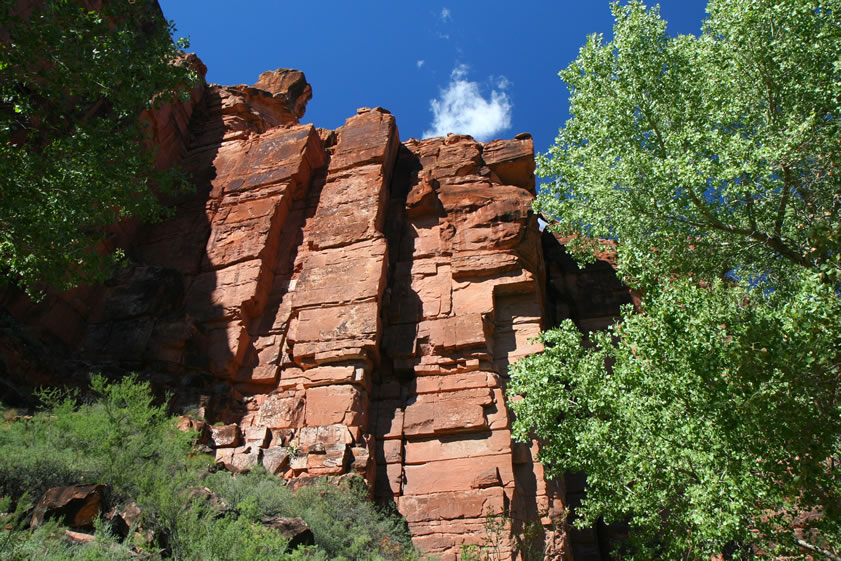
[
  {"x": 787, "y": 187},
  {"x": 751, "y": 217},
  {"x": 655, "y": 128},
  {"x": 774, "y": 242},
  {"x": 815, "y": 549}
]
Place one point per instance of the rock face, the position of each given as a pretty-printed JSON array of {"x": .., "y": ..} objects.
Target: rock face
[
  {"x": 337, "y": 301},
  {"x": 465, "y": 295}
]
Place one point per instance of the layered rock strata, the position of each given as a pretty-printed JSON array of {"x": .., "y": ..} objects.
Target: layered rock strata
[{"x": 337, "y": 302}]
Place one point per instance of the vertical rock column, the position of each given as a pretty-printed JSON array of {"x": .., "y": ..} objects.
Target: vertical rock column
[
  {"x": 255, "y": 192},
  {"x": 321, "y": 332},
  {"x": 250, "y": 160},
  {"x": 465, "y": 296}
]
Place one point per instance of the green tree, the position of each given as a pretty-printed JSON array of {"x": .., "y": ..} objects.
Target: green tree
[
  {"x": 73, "y": 152},
  {"x": 705, "y": 153},
  {"x": 710, "y": 420}
]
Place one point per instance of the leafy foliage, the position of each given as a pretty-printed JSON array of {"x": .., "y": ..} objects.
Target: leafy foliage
[
  {"x": 710, "y": 419},
  {"x": 345, "y": 524},
  {"x": 721, "y": 408},
  {"x": 704, "y": 153},
  {"x": 73, "y": 157},
  {"x": 122, "y": 438}
]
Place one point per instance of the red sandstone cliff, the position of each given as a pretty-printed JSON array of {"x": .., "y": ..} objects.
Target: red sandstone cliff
[{"x": 345, "y": 302}]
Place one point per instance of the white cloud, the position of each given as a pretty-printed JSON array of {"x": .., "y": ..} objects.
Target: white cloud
[
  {"x": 462, "y": 109},
  {"x": 420, "y": 63},
  {"x": 446, "y": 15}
]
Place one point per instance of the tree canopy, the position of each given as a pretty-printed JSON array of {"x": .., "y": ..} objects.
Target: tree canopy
[
  {"x": 709, "y": 419},
  {"x": 705, "y": 153},
  {"x": 73, "y": 152}
]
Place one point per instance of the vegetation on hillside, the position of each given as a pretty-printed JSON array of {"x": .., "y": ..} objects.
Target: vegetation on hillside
[
  {"x": 710, "y": 420},
  {"x": 189, "y": 511}
]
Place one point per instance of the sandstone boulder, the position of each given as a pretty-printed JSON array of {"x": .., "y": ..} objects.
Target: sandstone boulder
[
  {"x": 293, "y": 529},
  {"x": 76, "y": 506},
  {"x": 225, "y": 436},
  {"x": 122, "y": 520},
  {"x": 276, "y": 460}
]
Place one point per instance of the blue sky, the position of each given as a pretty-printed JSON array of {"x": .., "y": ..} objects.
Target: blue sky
[{"x": 489, "y": 68}]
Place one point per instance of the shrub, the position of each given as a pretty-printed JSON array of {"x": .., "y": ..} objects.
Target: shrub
[
  {"x": 346, "y": 525},
  {"x": 124, "y": 439}
]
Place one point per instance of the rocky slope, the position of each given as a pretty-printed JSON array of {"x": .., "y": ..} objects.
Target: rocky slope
[{"x": 339, "y": 301}]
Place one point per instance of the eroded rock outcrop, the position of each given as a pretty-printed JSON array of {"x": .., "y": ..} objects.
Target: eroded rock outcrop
[
  {"x": 337, "y": 301},
  {"x": 465, "y": 296}
]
